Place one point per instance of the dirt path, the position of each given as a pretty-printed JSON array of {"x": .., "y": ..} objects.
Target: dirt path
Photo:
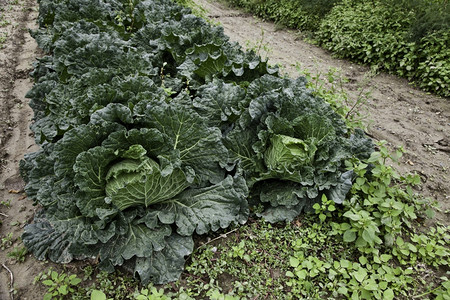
[
  {"x": 397, "y": 112},
  {"x": 16, "y": 56}
]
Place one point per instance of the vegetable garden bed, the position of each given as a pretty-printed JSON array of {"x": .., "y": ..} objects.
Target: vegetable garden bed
[{"x": 153, "y": 128}]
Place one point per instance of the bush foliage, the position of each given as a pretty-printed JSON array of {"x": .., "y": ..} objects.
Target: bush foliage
[{"x": 407, "y": 38}]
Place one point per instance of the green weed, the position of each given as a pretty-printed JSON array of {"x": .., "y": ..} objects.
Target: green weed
[
  {"x": 6, "y": 203},
  {"x": 7, "y": 241},
  {"x": 260, "y": 47},
  {"x": 3, "y": 21},
  {"x": 3, "y": 38},
  {"x": 330, "y": 87},
  {"x": 59, "y": 284},
  {"x": 18, "y": 254}
]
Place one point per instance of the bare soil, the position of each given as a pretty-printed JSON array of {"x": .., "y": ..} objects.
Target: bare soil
[
  {"x": 397, "y": 113},
  {"x": 17, "y": 54}
]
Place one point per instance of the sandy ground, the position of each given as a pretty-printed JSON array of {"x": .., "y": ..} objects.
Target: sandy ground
[
  {"x": 397, "y": 113},
  {"x": 16, "y": 57}
]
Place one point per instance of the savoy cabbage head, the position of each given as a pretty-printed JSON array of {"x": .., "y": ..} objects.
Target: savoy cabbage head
[{"x": 291, "y": 147}]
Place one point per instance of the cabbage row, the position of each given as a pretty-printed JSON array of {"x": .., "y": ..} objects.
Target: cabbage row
[{"x": 153, "y": 127}]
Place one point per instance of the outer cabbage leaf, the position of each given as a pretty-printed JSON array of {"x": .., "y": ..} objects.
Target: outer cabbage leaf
[
  {"x": 283, "y": 213},
  {"x": 219, "y": 102},
  {"x": 166, "y": 265},
  {"x": 137, "y": 241},
  {"x": 239, "y": 143},
  {"x": 37, "y": 169},
  {"x": 279, "y": 193},
  {"x": 59, "y": 231},
  {"x": 44, "y": 240},
  {"x": 76, "y": 141},
  {"x": 338, "y": 193},
  {"x": 185, "y": 131},
  {"x": 205, "y": 209}
]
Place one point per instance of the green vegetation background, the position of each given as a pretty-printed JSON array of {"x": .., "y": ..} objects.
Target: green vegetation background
[{"x": 409, "y": 38}]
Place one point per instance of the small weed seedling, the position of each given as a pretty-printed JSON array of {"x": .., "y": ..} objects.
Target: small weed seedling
[
  {"x": 260, "y": 47},
  {"x": 19, "y": 254},
  {"x": 6, "y": 203},
  {"x": 59, "y": 285},
  {"x": 3, "y": 21},
  {"x": 151, "y": 293},
  {"x": 7, "y": 241}
]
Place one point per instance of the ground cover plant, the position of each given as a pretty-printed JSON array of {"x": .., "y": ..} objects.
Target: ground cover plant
[
  {"x": 406, "y": 38},
  {"x": 153, "y": 127}
]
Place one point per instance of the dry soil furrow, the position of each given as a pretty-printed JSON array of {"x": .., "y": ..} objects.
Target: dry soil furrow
[{"x": 16, "y": 139}]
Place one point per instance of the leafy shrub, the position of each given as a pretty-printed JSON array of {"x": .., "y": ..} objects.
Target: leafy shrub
[
  {"x": 387, "y": 34},
  {"x": 367, "y": 32},
  {"x": 433, "y": 67},
  {"x": 407, "y": 38},
  {"x": 430, "y": 16},
  {"x": 300, "y": 14}
]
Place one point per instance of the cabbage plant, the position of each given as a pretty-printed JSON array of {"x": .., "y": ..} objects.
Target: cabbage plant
[
  {"x": 154, "y": 128},
  {"x": 135, "y": 196},
  {"x": 292, "y": 147}
]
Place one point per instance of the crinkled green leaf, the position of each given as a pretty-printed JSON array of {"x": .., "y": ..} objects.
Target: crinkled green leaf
[
  {"x": 282, "y": 213},
  {"x": 138, "y": 240},
  {"x": 150, "y": 139},
  {"x": 76, "y": 141},
  {"x": 91, "y": 168},
  {"x": 168, "y": 264},
  {"x": 279, "y": 193},
  {"x": 55, "y": 236},
  {"x": 113, "y": 113},
  {"x": 240, "y": 152},
  {"x": 205, "y": 209},
  {"x": 338, "y": 193},
  {"x": 313, "y": 126},
  {"x": 199, "y": 146},
  {"x": 219, "y": 102}
]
